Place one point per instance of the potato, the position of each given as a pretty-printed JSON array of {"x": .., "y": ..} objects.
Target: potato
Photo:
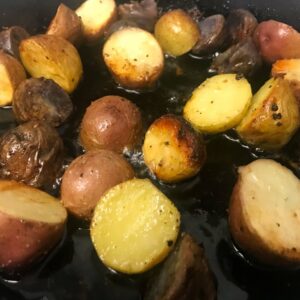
[
  {"x": 273, "y": 117},
  {"x": 219, "y": 103},
  {"x": 172, "y": 150},
  {"x": 111, "y": 122},
  {"x": 88, "y": 177},
  {"x": 134, "y": 58},
  {"x": 11, "y": 38},
  {"x": 264, "y": 216},
  {"x": 41, "y": 99},
  {"x": 66, "y": 24},
  {"x": 31, "y": 224},
  {"x": 31, "y": 153},
  {"x": 276, "y": 40},
  {"x": 289, "y": 69},
  {"x": 134, "y": 227},
  {"x": 12, "y": 74},
  {"x": 176, "y": 32},
  {"x": 54, "y": 58},
  {"x": 96, "y": 16}
]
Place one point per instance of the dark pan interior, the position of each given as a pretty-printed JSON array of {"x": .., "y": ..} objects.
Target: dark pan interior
[{"x": 73, "y": 270}]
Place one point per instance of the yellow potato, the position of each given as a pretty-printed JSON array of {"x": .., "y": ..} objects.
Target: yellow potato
[
  {"x": 134, "y": 226},
  {"x": 219, "y": 103},
  {"x": 273, "y": 117},
  {"x": 172, "y": 150},
  {"x": 176, "y": 32},
  {"x": 54, "y": 58},
  {"x": 134, "y": 58},
  {"x": 12, "y": 74}
]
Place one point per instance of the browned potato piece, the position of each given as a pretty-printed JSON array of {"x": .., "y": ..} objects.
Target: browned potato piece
[
  {"x": 172, "y": 150},
  {"x": 111, "y": 122},
  {"x": 96, "y": 16},
  {"x": 54, "y": 58},
  {"x": 31, "y": 153},
  {"x": 172, "y": 280},
  {"x": 289, "y": 69},
  {"x": 273, "y": 117},
  {"x": 176, "y": 32},
  {"x": 11, "y": 38},
  {"x": 276, "y": 40},
  {"x": 264, "y": 214},
  {"x": 11, "y": 75},
  {"x": 88, "y": 177},
  {"x": 41, "y": 99},
  {"x": 134, "y": 58},
  {"x": 66, "y": 24},
  {"x": 31, "y": 224}
]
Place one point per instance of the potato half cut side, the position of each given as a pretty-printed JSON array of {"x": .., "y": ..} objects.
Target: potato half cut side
[
  {"x": 134, "y": 226},
  {"x": 264, "y": 213},
  {"x": 134, "y": 57},
  {"x": 31, "y": 223},
  {"x": 219, "y": 103},
  {"x": 54, "y": 58},
  {"x": 96, "y": 16}
]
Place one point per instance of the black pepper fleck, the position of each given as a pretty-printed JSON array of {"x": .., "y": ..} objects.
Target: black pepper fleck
[{"x": 274, "y": 107}]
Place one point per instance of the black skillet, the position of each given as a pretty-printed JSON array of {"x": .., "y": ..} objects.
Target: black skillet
[{"x": 73, "y": 270}]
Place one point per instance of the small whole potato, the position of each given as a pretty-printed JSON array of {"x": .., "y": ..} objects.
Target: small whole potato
[
  {"x": 31, "y": 153},
  {"x": 134, "y": 58},
  {"x": 111, "y": 122},
  {"x": 172, "y": 150},
  {"x": 41, "y": 99},
  {"x": 88, "y": 177},
  {"x": 176, "y": 32}
]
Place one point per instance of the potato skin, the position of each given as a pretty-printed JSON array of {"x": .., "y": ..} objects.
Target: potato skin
[
  {"x": 88, "y": 177},
  {"x": 41, "y": 99},
  {"x": 111, "y": 122},
  {"x": 31, "y": 153},
  {"x": 276, "y": 40},
  {"x": 172, "y": 150},
  {"x": 66, "y": 24},
  {"x": 54, "y": 58}
]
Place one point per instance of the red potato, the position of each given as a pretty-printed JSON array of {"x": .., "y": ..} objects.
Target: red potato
[
  {"x": 276, "y": 40},
  {"x": 88, "y": 177},
  {"x": 31, "y": 224},
  {"x": 111, "y": 122}
]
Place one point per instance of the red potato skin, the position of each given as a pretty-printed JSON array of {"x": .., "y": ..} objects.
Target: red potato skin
[
  {"x": 23, "y": 241},
  {"x": 276, "y": 40},
  {"x": 112, "y": 123},
  {"x": 88, "y": 177}
]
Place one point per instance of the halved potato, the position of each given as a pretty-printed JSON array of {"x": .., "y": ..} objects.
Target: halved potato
[
  {"x": 96, "y": 15},
  {"x": 177, "y": 32},
  {"x": 134, "y": 226},
  {"x": 12, "y": 74},
  {"x": 219, "y": 103},
  {"x": 134, "y": 57},
  {"x": 66, "y": 24},
  {"x": 273, "y": 117},
  {"x": 54, "y": 58},
  {"x": 264, "y": 213},
  {"x": 31, "y": 224},
  {"x": 172, "y": 150}
]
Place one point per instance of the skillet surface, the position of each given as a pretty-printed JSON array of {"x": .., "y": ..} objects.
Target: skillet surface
[{"x": 73, "y": 270}]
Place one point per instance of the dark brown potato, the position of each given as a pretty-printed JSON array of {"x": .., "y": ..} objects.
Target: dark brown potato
[
  {"x": 112, "y": 123},
  {"x": 242, "y": 58},
  {"x": 185, "y": 275},
  {"x": 240, "y": 24},
  {"x": 88, "y": 177},
  {"x": 67, "y": 25},
  {"x": 11, "y": 38},
  {"x": 31, "y": 153},
  {"x": 213, "y": 34},
  {"x": 41, "y": 99}
]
